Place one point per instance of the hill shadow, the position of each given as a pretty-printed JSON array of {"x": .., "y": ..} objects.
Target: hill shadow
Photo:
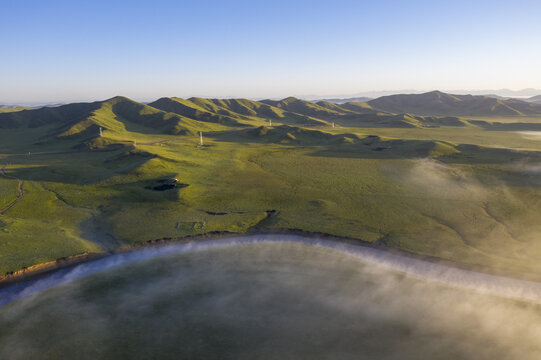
[
  {"x": 373, "y": 147},
  {"x": 79, "y": 168},
  {"x": 498, "y": 126}
]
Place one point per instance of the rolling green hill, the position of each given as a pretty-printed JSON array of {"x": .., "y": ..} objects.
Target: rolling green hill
[
  {"x": 295, "y": 105},
  {"x": 293, "y": 111},
  {"x": 356, "y": 107},
  {"x": 189, "y": 116},
  {"x": 115, "y": 116},
  {"x": 448, "y": 187},
  {"x": 11, "y": 108},
  {"x": 439, "y": 103},
  {"x": 233, "y": 112}
]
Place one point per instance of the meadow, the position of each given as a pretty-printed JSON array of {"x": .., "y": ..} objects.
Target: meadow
[{"x": 467, "y": 193}]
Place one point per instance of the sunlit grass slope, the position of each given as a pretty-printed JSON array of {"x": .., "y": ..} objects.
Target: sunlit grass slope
[{"x": 5, "y": 109}]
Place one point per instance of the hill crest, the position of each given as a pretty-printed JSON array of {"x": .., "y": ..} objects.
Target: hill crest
[{"x": 443, "y": 104}]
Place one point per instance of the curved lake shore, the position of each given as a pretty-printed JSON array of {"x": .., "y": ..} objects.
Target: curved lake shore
[{"x": 463, "y": 278}]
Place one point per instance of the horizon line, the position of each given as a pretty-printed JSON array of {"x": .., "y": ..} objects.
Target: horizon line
[{"x": 369, "y": 94}]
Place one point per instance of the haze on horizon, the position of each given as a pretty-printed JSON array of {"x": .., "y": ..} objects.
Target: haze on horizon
[{"x": 63, "y": 51}]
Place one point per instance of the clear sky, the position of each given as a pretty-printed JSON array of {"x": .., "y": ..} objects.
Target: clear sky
[{"x": 70, "y": 50}]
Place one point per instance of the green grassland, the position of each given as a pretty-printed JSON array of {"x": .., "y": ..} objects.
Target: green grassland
[
  {"x": 14, "y": 108},
  {"x": 8, "y": 191},
  {"x": 449, "y": 187}
]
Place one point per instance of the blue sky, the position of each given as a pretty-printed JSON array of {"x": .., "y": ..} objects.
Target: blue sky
[{"x": 87, "y": 50}]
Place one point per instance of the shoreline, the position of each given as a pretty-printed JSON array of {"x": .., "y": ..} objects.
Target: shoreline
[{"x": 40, "y": 270}]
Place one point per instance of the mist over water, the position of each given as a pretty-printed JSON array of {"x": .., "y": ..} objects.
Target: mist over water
[
  {"x": 497, "y": 285},
  {"x": 265, "y": 300}
]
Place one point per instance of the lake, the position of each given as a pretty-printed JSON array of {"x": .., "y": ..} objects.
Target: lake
[{"x": 269, "y": 297}]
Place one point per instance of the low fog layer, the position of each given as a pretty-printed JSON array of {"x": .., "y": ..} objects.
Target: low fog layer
[
  {"x": 270, "y": 300},
  {"x": 496, "y": 285}
]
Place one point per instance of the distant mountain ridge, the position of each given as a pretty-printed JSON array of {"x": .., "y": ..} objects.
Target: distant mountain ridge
[
  {"x": 346, "y": 100},
  {"x": 502, "y": 93},
  {"x": 80, "y": 122},
  {"x": 442, "y": 104},
  {"x": 534, "y": 99}
]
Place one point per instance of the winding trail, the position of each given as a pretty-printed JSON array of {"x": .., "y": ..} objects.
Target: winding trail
[
  {"x": 466, "y": 279},
  {"x": 20, "y": 192}
]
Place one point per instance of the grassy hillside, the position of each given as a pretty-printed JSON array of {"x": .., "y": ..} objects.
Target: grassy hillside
[
  {"x": 438, "y": 103},
  {"x": 11, "y": 108},
  {"x": 236, "y": 112},
  {"x": 455, "y": 188},
  {"x": 295, "y": 105},
  {"x": 117, "y": 116},
  {"x": 358, "y": 107}
]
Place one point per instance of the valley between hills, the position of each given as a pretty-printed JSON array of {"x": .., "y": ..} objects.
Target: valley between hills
[{"x": 451, "y": 177}]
